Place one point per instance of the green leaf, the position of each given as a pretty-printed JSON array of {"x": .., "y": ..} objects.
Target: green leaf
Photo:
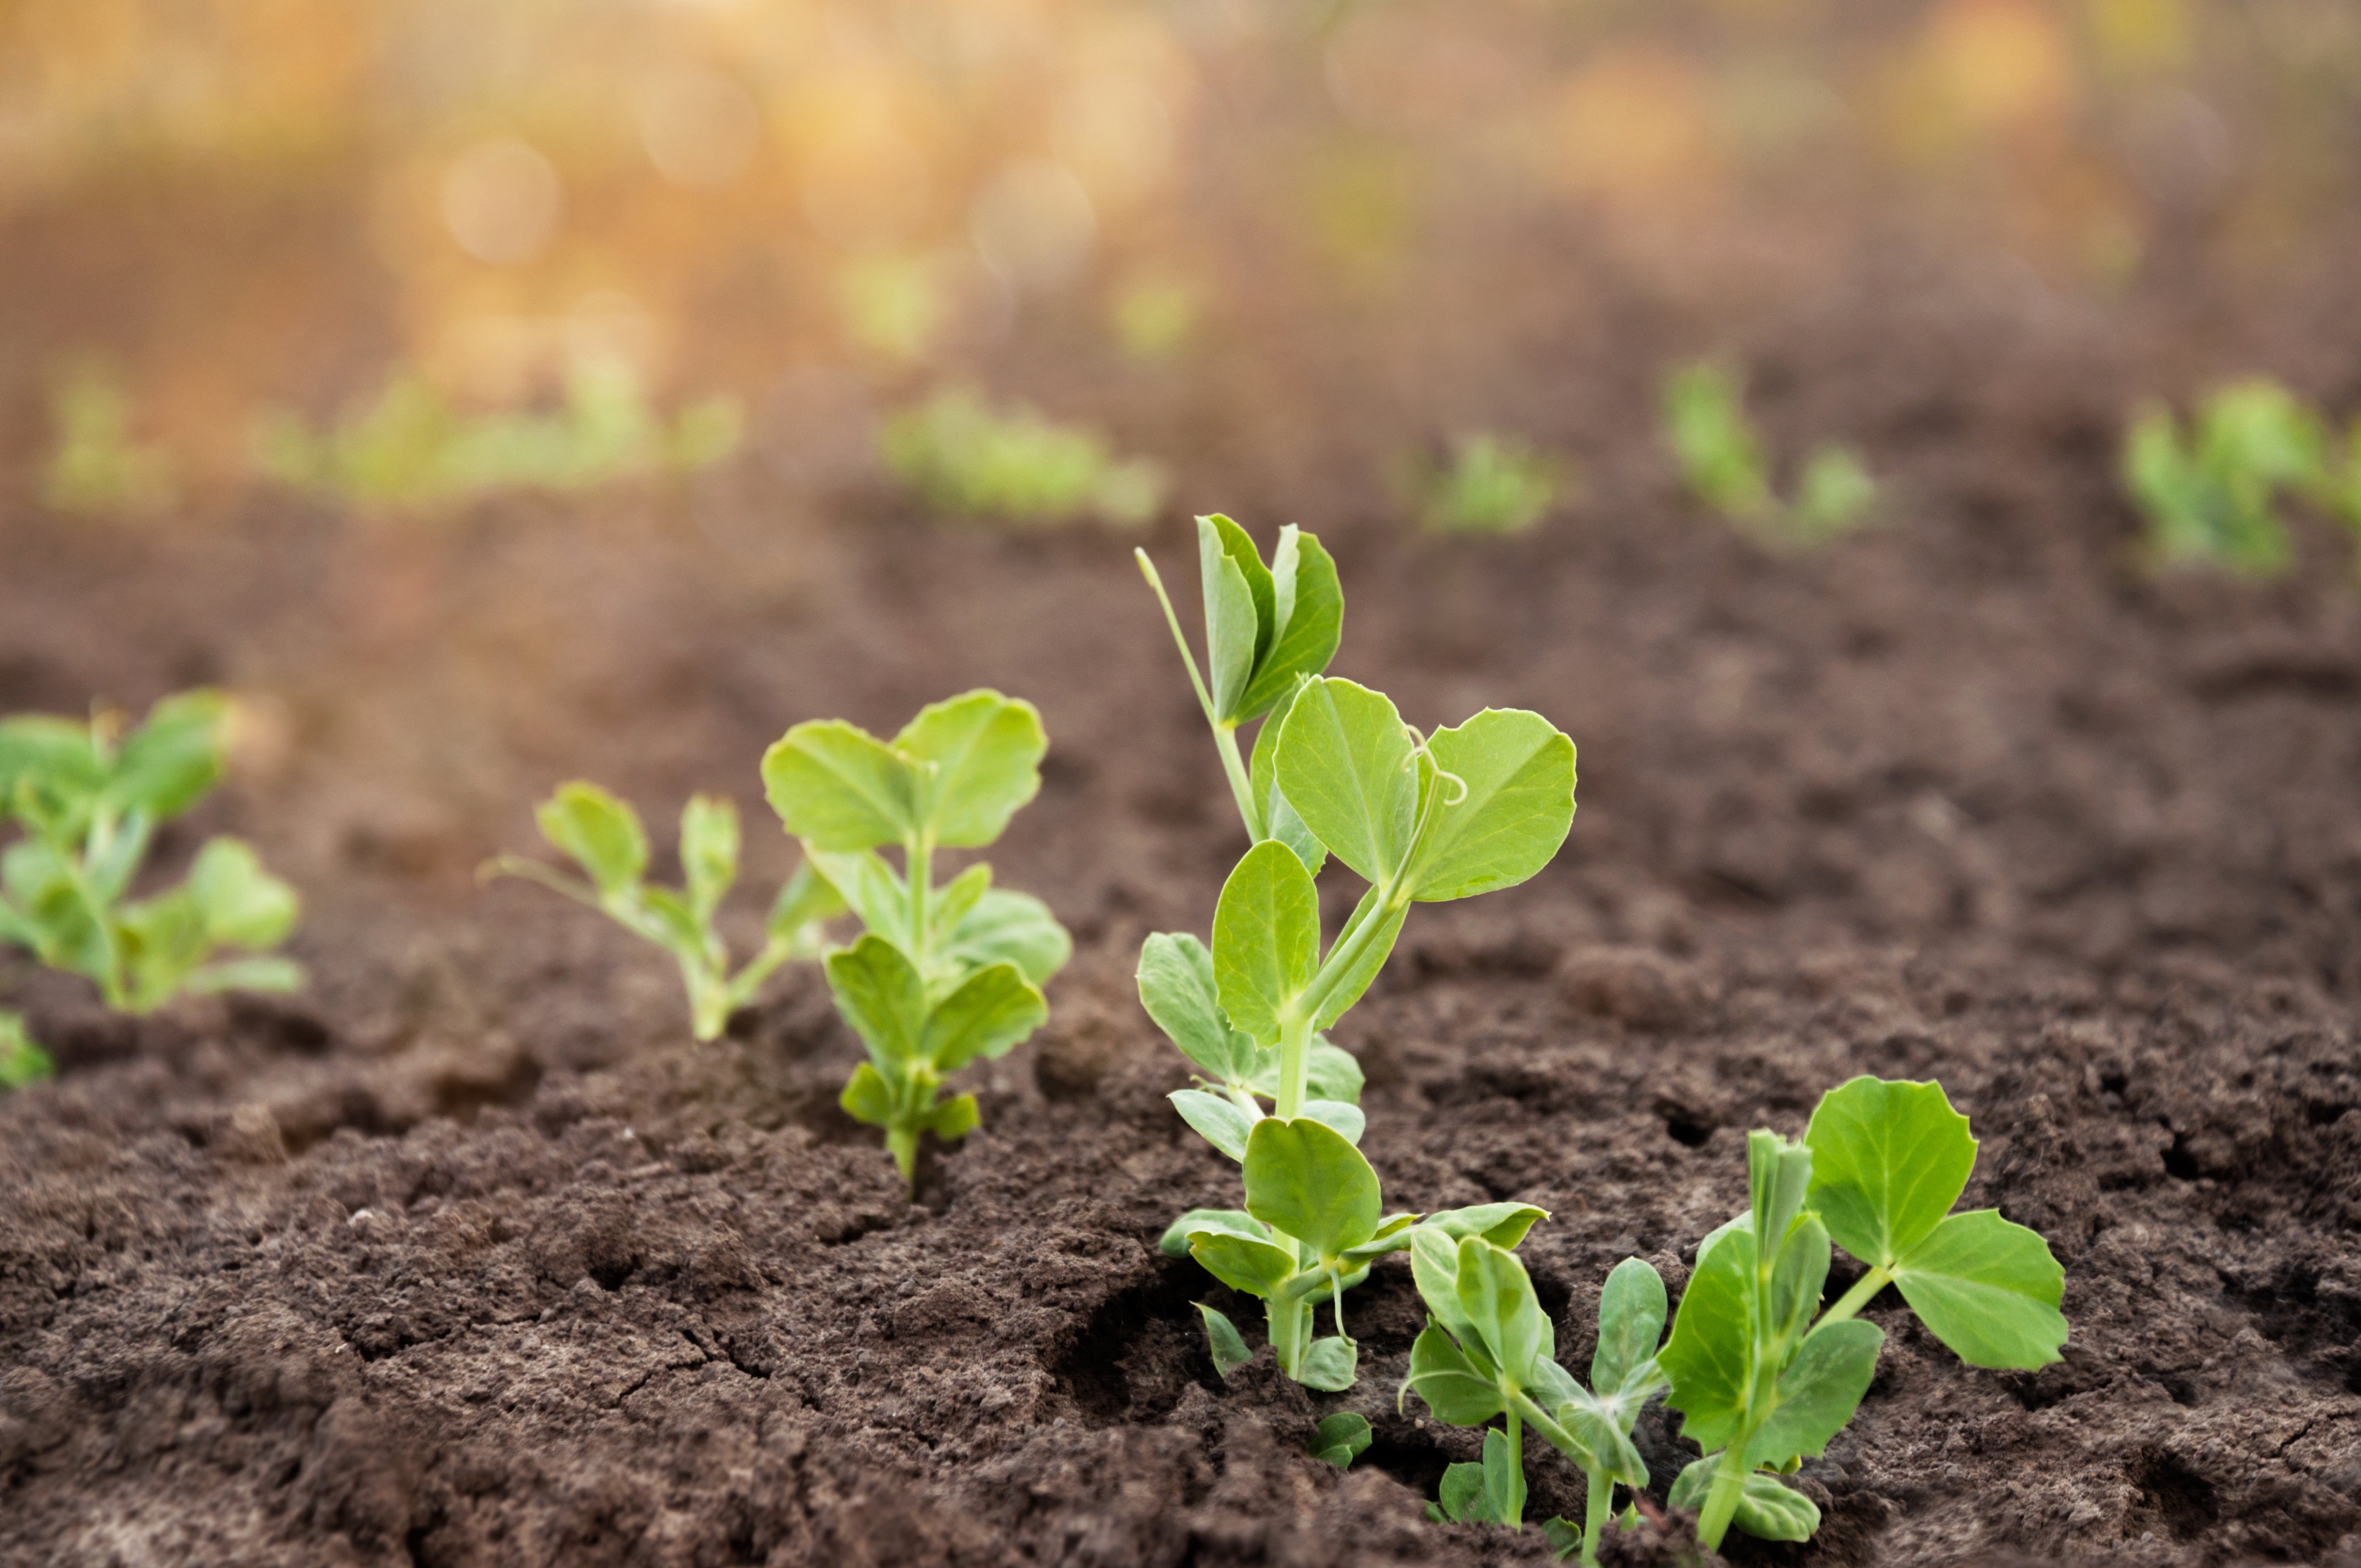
[
  {"x": 954, "y": 1119},
  {"x": 991, "y": 1010},
  {"x": 67, "y": 933},
  {"x": 1341, "y": 1438},
  {"x": 1242, "y": 1263},
  {"x": 1345, "y": 765},
  {"x": 1303, "y": 1178},
  {"x": 1497, "y": 1297},
  {"x": 1989, "y": 1288},
  {"x": 1353, "y": 981},
  {"x": 1460, "y": 1392},
  {"x": 1345, "y": 1118},
  {"x": 1262, "y": 780},
  {"x": 1602, "y": 1438},
  {"x": 1435, "y": 1268},
  {"x": 1778, "y": 1179},
  {"x": 882, "y": 998},
  {"x": 866, "y": 1099},
  {"x": 22, "y": 1061},
  {"x": 1175, "y": 1240},
  {"x": 1817, "y": 1391},
  {"x": 1215, "y": 1120},
  {"x": 977, "y": 759},
  {"x": 1630, "y": 1323},
  {"x": 1310, "y": 606},
  {"x": 1006, "y": 926},
  {"x": 1330, "y": 1365},
  {"x": 1888, "y": 1161},
  {"x": 1238, "y": 611},
  {"x": 840, "y": 788},
  {"x": 1797, "y": 1274},
  {"x": 1504, "y": 1479},
  {"x": 807, "y": 902},
  {"x": 241, "y": 904},
  {"x": 950, "y": 904},
  {"x": 709, "y": 852},
  {"x": 1710, "y": 1355},
  {"x": 1564, "y": 1536},
  {"x": 56, "y": 757},
  {"x": 169, "y": 763},
  {"x": 599, "y": 832},
  {"x": 1768, "y": 1509},
  {"x": 1519, "y": 773},
  {"x": 1462, "y": 1497},
  {"x": 1176, "y": 986},
  {"x": 1266, "y": 940},
  {"x": 1503, "y": 1225},
  {"x": 868, "y": 886},
  {"x": 1392, "y": 1234},
  {"x": 1223, "y": 1338}
]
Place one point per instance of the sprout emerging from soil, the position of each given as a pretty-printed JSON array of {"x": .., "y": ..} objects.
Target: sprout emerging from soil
[
  {"x": 98, "y": 465},
  {"x": 959, "y": 454},
  {"x": 1420, "y": 819},
  {"x": 88, "y": 799},
  {"x": 21, "y": 1060},
  {"x": 1492, "y": 485},
  {"x": 1721, "y": 462},
  {"x": 942, "y": 975},
  {"x": 602, "y": 835},
  {"x": 1762, "y": 1377},
  {"x": 2211, "y": 494}
]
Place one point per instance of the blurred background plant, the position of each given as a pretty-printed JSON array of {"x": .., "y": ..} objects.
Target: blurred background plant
[
  {"x": 1721, "y": 461},
  {"x": 21, "y": 1061},
  {"x": 2209, "y": 493},
  {"x": 1490, "y": 485},
  {"x": 96, "y": 465},
  {"x": 956, "y": 451}
]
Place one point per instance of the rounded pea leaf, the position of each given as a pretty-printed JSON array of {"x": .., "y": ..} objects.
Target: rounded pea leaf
[
  {"x": 954, "y": 1119},
  {"x": 1266, "y": 938},
  {"x": 1341, "y": 1438},
  {"x": 1347, "y": 1119},
  {"x": 975, "y": 758},
  {"x": 1215, "y": 1120},
  {"x": 1004, "y": 925},
  {"x": 1279, "y": 821},
  {"x": 1517, "y": 769},
  {"x": 1630, "y": 1323},
  {"x": 170, "y": 761},
  {"x": 840, "y": 788},
  {"x": 1768, "y": 1509},
  {"x": 1818, "y": 1391},
  {"x": 709, "y": 852},
  {"x": 1239, "y": 606},
  {"x": 1455, "y": 1388},
  {"x": 990, "y": 1012},
  {"x": 1242, "y": 1263},
  {"x": 1497, "y": 1297},
  {"x": 1330, "y": 1365},
  {"x": 240, "y": 904},
  {"x": 866, "y": 1099},
  {"x": 1305, "y": 1179},
  {"x": 1710, "y": 1355},
  {"x": 881, "y": 995},
  {"x": 1435, "y": 1268},
  {"x": 1174, "y": 1243},
  {"x": 1888, "y": 1161},
  {"x": 1176, "y": 986},
  {"x": 1345, "y": 765},
  {"x": 1310, "y": 611},
  {"x": 1222, "y": 1337},
  {"x": 1503, "y": 1225},
  {"x": 1989, "y": 1288},
  {"x": 599, "y": 832}
]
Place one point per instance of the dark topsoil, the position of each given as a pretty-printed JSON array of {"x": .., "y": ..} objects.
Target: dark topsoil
[{"x": 468, "y": 1255}]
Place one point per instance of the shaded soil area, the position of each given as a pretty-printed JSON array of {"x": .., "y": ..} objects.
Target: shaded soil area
[{"x": 468, "y": 1255}]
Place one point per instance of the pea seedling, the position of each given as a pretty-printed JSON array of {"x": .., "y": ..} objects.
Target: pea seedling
[
  {"x": 942, "y": 975},
  {"x": 89, "y": 799},
  {"x": 1762, "y": 1383},
  {"x": 1489, "y": 1351},
  {"x": 98, "y": 465},
  {"x": 21, "y": 1060},
  {"x": 1721, "y": 460},
  {"x": 2209, "y": 496},
  {"x": 961, "y": 455},
  {"x": 602, "y": 835},
  {"x": 1492, "y": 485}
]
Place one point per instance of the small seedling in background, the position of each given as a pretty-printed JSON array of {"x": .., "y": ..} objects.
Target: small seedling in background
[
  {"x": 1762, "y": 1383},
  {"x": 88, "y": 799},
  {"x": 962, "y": 455},
  {"x": 22, "y": 1061},
  {"x": 2210, "y": 495},
  {"x": 1489, "y": 1351},
  {"x": 1492, "y": 485},
  {"x": 1421, "y": 819},
  {"x": 602, "y": 835},
  {"x": 412, "y": 448},
  {"x": 1721, "y": 461},
  {"x": 943, "y": 975},
  {"x": 97, "y": 466},
  {"x": 1267, "y": 627},
  {"x": 1155, "y": 317}
]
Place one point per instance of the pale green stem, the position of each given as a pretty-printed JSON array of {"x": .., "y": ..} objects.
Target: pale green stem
[
  {"x": 1226, "y": 740},
  {"x": 1721, "y": 1502},
  {"x": 1594, "y": 1513},
  {"x": 1225, "y": 737},
  {"x": 1854, "y": 1299},
  {"x": 1294, "y": 1064},
  {"x": 1516, "y": 1463},
  {"x": 1290, "y": 1317},
  {"x": 919, "y": 856}
]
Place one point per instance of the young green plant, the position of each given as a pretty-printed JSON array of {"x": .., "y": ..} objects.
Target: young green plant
[
  {"x": 1762, "y": 1377},
  {"x": 1015, "y": 467},
  {"x": 21, "y": 1060},
  {"x": 2210, "y": 495},
  {"x": 89, "y": 798},
  {"x": 1721, "y": 461},
  {"x": 942, "y": 975},
  {"x": 1489, "y": 1351},
  {"x": 1492, "y": 485},
  {"x": 602, "y": 835}
]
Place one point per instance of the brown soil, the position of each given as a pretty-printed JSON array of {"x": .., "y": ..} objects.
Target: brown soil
[{"x": 468, "y": 1256}]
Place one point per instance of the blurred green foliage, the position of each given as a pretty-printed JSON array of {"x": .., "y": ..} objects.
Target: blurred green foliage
[
  {"x": 21, "y": 1061},
  {"x": 1721, "y": 460},
  {"x": 96, "y": 465},
  {"x": 412, "y": 448},
  {"x": 1155, "y": 318},
  {"x": 2209, "y": 493},
  {"x": 959, "y": 454},
  {"x": 1492, "y": 485}
]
